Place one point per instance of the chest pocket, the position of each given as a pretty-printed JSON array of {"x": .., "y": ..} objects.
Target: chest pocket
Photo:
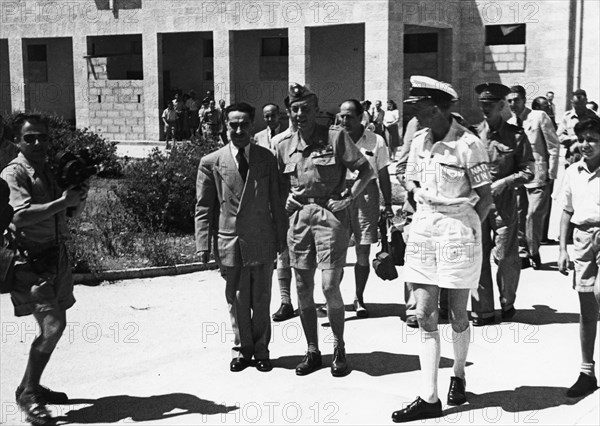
[
  {"x": 326, "y": 166},
  {"x": 290, "y": 173}
]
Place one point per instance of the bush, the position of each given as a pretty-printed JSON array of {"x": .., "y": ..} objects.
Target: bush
[
  {"x": 65, "y": 137},
  {"x": 160, "y": 190}
]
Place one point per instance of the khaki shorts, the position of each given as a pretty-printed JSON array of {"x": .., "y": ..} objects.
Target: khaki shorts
[
  {"x": 364, "y": 215},
  {"x": 586, "y": 250},
  {"x": 283, "y": 259},
  {"x": 318, "y": 238},
  {"x": 41, "y": 293},
  {"x": 443, "y": 247}
]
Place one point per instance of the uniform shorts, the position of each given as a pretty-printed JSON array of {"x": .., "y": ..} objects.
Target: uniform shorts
[
  {"x": 318, "y": 238},
  {"x": 364, "y": 215},
  {"x": 443, "y": 247},
  {"x": 53, "y": 289},
  {"x": 586, "y": 250}
]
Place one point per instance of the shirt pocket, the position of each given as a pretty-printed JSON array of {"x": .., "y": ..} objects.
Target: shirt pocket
[
  {"x": 327, "y": 169},
  {"x": 290, "y": 172}
]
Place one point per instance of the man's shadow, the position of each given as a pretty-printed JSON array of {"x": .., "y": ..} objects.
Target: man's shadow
[
  {"x": 527, "y": 399},
  {"x": 112, "y": 409},
  {"x": 373, "y": 363},
  {"x": 544, "y": 315}
]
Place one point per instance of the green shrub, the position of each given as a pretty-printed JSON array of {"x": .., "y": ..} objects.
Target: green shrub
[
  {"x": 160, "y": 190},
  {"x": 65, "y": 137}
]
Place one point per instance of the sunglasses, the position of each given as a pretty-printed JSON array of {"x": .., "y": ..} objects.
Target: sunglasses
[{"x": 31, "y": 138}]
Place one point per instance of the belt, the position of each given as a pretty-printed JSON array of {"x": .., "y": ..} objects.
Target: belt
[
  {"x": 322, "y": 201},
  {"x": 442, "y": 208}
]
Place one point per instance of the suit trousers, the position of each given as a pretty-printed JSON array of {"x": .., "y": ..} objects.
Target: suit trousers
[
  {"x": 248, "y": 294},
  {"x": 503, "y": 246},
  {"x": 534, "y": 208}
]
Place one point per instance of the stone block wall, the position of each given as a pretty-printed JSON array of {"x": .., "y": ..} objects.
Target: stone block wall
[
  {"x": 504, "y": 57},
  {"x": 116, "y": 106}
]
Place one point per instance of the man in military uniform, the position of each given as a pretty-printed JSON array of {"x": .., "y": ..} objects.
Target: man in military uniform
[
  {"x": 511, "y": 165},
  {"x": 313, "y": 163},
  {"x": 566, "y": 127},
  {"x": 447, "y": 175}
]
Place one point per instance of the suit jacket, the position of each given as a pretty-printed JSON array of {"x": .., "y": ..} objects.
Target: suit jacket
[
  {"x": 245, "y": 224},
  {"x": 264, "y": 139},
  {"x": 544, "y": 144}
]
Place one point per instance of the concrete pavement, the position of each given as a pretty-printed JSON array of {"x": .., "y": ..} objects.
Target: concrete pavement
[{"x": 157, "y": 351}]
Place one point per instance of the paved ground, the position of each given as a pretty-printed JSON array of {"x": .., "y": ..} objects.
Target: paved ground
[{"x": 156, "y": 351}]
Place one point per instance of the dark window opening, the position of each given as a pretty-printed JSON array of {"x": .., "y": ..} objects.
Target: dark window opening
[
  {"x": 36, "y": 52},
  {"x": 209, "y": 50},
  {"x": 275, "y": 46},
  {"x": 37, "y": 63},
  {"x": 421, "y": 43},
  {"x": 504, "y": 34}
]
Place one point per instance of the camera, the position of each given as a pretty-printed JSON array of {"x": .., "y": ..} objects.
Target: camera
[{"x": 73, "y": 170}]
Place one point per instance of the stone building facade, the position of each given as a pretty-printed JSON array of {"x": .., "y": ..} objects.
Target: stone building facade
[{"x": 112, "y": 65}]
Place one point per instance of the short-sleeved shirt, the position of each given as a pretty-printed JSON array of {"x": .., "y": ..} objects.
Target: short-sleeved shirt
[
  {"x": 580, "y": 194},
  {"x": 318, "y": 168},
  {"x": 451, "y": 168},
  {"x": 566, "y": 128},
  {"x": 169, "y": 114},
  {"x": 30, "y": 186},
  {"x": 373, "y": 147}
]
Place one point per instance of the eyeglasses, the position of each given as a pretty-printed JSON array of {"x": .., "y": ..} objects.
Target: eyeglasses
[{"x": 31, "y": 138}]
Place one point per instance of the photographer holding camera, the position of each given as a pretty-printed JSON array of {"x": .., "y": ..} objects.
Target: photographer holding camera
[{"x": 43, "y": 283}]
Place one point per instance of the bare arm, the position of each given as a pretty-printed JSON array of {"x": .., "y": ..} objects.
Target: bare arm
[
  {"x": 563, "y": 254},
  {"x": 38, "y": 212}
]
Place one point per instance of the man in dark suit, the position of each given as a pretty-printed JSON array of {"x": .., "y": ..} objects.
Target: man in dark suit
[{"x": 239, "y": 214}]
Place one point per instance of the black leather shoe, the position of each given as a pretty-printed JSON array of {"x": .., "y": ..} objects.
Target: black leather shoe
[
  {"x": 508, "y": 314},
  {"x": 549, "y": 242},
  {"x": 584, "y": 385},
  {"x": 312, "y": 362},
  {"x": 361, "y": 309},
  {"x": 285, "y": 312},
  {"x": 35, "y": 410},
  {"x": 480, "y": 322},
  {"x": 412, "y": 322},
  {"x": 525, "y": 262},
  {"x": 239, "y": 364},
  {"x": 339, "y": 366},
  {"x": 264, "y": 365},
  {"x": 418, "y": 410},
  {"x": 45, "y": 395},
  {"x": 457, "y": 394},
  {"x": 536, "y": 261}
]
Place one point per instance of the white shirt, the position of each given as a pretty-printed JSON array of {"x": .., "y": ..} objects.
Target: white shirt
[
  {"x": 234, "y": 151},
  {"x": 580, "y": 194},
  {"x": 373, "y": 147}
]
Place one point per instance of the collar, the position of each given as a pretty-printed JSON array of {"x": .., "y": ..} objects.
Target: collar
[
  {"x": 582, "y": 166},
  {"x": 523, "y": 116},
  {"x": 320, "y": 137},
  {"x": 234, "y": 150}
]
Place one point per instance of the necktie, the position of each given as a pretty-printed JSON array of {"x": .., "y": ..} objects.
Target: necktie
[
  {"x": 519, "y": 122},
  {"x": 272, "y": 133},
  {"x": 242, "y": 164}
]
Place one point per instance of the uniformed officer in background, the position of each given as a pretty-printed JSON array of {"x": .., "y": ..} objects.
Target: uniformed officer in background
[
  {"x": 511, "y": 165},
  {"x": 313, "y": 162}
]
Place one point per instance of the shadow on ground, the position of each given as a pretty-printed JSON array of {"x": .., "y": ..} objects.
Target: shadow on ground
[
  {"x": 529, "y": 399},
  {"x": 544, "y": 315},
  {"x": 374, "y": 363},
  {"x": 112, "y": 409}
]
